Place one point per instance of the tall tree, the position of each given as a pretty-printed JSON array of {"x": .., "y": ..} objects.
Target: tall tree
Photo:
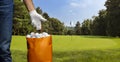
[
  {"x": 99, "y": 23},
  {"x": 86, "y": 27},
  {"x": 77, "y": 28},
  {"x": 95, "y": 29},
  {"x": 113, "y": 17},
  {"x": 103, "y": 22},
  {"x": 55, "y": 26}
]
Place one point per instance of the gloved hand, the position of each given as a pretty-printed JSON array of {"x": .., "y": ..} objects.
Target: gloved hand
[{"x": 36, "y": 19}]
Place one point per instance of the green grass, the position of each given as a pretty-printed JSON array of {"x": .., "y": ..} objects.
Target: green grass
[{"x": 73, "y": 49}]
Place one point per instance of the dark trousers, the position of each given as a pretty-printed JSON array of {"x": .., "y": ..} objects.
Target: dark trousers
[{"x": 6, "y": 15}]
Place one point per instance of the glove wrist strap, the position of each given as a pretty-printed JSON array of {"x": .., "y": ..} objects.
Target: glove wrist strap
[{"x": 32, "y": 12}]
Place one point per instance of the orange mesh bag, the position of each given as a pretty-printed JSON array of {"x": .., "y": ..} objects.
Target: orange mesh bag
[{"x": 40, "y": 49}]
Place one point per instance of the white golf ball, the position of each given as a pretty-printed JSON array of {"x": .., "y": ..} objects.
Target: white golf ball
[
  {"x": 36, "y": 35},
  {"x": 32, "y": 33},
  {"x": 28, "y": 36},
  {"x": 45, "y": 34}
]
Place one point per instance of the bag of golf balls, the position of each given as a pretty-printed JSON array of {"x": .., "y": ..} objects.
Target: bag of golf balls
[{"x": 39, "y": 47}]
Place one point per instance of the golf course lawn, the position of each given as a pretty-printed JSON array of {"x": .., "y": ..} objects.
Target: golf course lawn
[{"x": 73, "y": 49}]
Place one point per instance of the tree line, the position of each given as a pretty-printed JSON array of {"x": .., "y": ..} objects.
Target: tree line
[
  {"x": 22, "y": 24},
  {"x": 107, "y": 23}
]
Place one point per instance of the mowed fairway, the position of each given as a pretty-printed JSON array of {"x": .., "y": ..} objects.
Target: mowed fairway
[
  {"x": 72, "y": 43},
  {"x": 73, "y": 49}
]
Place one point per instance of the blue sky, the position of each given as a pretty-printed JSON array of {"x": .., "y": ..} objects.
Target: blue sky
[{"x": 71, "y": 10}]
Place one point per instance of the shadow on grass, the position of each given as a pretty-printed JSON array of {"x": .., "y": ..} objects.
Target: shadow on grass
[
  {"x": 75, "y": 56},
  {"x": 87, "y": 56}
]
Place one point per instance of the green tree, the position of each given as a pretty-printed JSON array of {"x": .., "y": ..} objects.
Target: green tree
[
  {"x": 99, "y": 23},
  {"x": 45, "y": 15},
  {"x": 55, "y": 26},
  {"x": 77, "y": 28},
  {"x": 70, "y": 32},
  {"x": 103, "y": 22},
  {"x": 113, "y": 17},
  {"x": 96, "y": 27},
  {"x": 39, "y": 10},
  {"x": 86, "y": 27}
]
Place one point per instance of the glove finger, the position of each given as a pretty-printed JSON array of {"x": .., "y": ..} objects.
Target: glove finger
[
  {"x": 38, "y": 26},
  {"x": 41, "y": 18},
  {"x": 33, "y": 23}
]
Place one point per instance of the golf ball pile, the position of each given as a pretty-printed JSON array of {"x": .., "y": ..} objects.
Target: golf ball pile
[{"x": 37, "y": 35}]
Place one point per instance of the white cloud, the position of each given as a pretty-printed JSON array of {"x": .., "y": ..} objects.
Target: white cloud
[
  {"x": 70, "y": 11},
  {"x": 77, "y": 5},
  {"x": 85, "y": 3},
  {"x": 74, "y": 4}
]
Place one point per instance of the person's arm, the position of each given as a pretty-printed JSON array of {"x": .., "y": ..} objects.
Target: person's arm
[
  {"x": 35, "y": 17},
  {"x": 29, "y": 5}
]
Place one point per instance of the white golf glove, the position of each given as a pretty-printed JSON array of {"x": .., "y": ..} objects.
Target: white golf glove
[{"x": 36, "y": 19}]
